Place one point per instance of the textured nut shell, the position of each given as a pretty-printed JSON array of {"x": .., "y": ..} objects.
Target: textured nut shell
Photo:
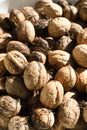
[
  {"x": 4, "y": 122},
  {"x": 81, "y": 79},
  {"x": 59, "y": 26},
  {"x": 69, "y": 113},
  {"x": 82, "y": 37},
  {"x": 18, "y": 123},
  {"x": 15, "y": 62},
  {"x": 58, "y": 58},
  {"x": 83, "y": 13},
  {"x": 9, "y": 106},
  {"x": 66, "y": 76},
  {"x": 52, "y": 10},
  {"x": 25, "y": 31},
  {"x": 51, "y": 94},
  {"x": 35, "y": 76},
  {"x": 42, "y": 118},
  {"x": 80, "y": 55}
]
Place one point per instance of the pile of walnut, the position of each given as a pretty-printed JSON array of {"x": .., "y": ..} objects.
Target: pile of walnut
[{"x": 43, "y": 67}]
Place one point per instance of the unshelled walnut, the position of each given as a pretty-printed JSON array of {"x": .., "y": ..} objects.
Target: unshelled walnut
[
  {"x": 80, "y": 55},
  {"x": 16, "y": 16},
  {"x": 4, "y": 122},
  {"x": 30, "y": 14},
  {"x": 9, "y": 106},
  {"x": 18, "y": 123},
  {"x": 52, "y": 10},
  {"x": 58, "y": 58},
  {"x": 59, "y": 26},
  {"x": 82, "y": 37},
  {"x": 15, "y": 86},
  {"x": 35, "y": 75},
  {"x": 15, "y": 62},
  {"x": 67, "y": 77},
  {"x": 68, "y": 114},
  {"x": 42, "y": 118},
  {"x": 18, "y": 46},
  {"x": 25, "y": 31},
  {"x": 51, "y": 94}
]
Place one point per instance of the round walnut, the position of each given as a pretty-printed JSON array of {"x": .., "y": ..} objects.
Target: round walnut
[
  {"x": 68, "y": 114},
  {"x": 59, "y": 26},
  {"x": 81, "y": 79},
  {"x": 58, "y": 58},
  {"x": 15, "y": 86},
  {"x": 82, "y": 37},
  {"x": 25, "y": 31},
  {"x": 30, "y": 14},
  {"x": 15, "y": 62},
  {"x": 52, "y": 10},
  {"x": 67, "y": 77},
  {"x": 19, "y": 46},
  {"x": 80, "y": 55},
  {"x": 18, "y": 123},
  {"x": 51, "y": 94},
  {"x": 42, "y": 118},
  {"x": 35, "y": 75},
  {"x": 70, "y": 12},
  {"x": 16, "y": 16},
  {"x": 4, "y": 122},
  {"x": 9, "y": 106}
]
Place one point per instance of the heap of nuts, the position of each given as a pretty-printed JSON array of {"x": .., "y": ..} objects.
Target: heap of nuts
[{"x": 43, "y": 67}]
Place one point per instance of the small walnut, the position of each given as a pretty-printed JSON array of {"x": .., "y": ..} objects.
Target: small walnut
[
  {"x": 25, "y": 31},
  {"x": 30, "y": 14},
  {"x": 52, "y": 10},
  {"x": 67, "y": 77},
  {"x": 51, "y": 94},
  {"x": 82, "y": 37},
  {"x": 58, "y": 58},
  {"x": 18, "y": 123},
  {"x": 16, "y": 16},
  {"x": 9, "y": 106},
  {"x": 35, "y": 75},
  {"x": 15, "y": 86},
  {"x": 18, "y": 46},
  {"x": 15, "y": 62},
  {"x": 80, "y": 55},
  {"x": 81, "y": 79},
  {"x": 59, "y": 26},
  {"x": 68, "y": 114},
  {"x": 42, "y": 118},
  {"x": 4, "y": 122}
]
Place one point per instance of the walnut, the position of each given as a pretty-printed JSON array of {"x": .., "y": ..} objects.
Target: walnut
[
  {"x": 59, "y": 26},
  {"x": 80, "y": 55},
  {"x": 15, "y": 62},
  {"x": 9, "y": 106},
  {"x": 25, "y": 31},
  {"x": 35, "y": 75},
  {"x": 42, "y": 118},
  {"x": 51, "y": 94},
  {"x": 67, "y": 77}
]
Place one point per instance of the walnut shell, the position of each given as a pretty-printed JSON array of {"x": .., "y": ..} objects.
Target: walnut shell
[
  {"x": 9, "y": 106},
  {"x": 18, "y": 46},
  {"x": 30, "y": 14},
  {"x": 35, "y": 75},
  {"x": 25, "y": 31},
  {"x": 51, "y": 94},
  {"x": 67, "y": 77},
  {"x": 58, "y": 58},
  {"x": 68, "y": 114},
  {"x": 59, "y": 26},
  {"x": 42, "y": 118},
  {"x": 52, "y": 10},
  {"x": 80, "y": 55},
  {"x": 15, "y": 62},
  {"x": 18, "y": 123},
  {"x": 16, "y": 16},
  {"x": 15, "y": 86}
]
